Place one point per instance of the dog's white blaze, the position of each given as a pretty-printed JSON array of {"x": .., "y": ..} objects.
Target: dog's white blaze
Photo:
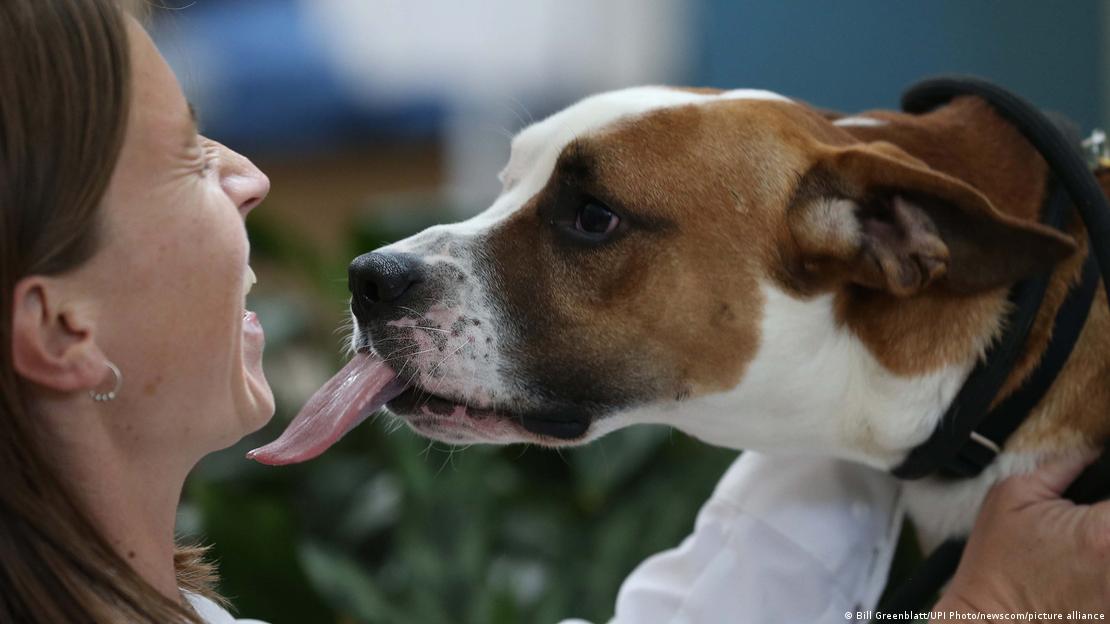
[
  {"x": 536, "y": 148},
  {"x": 752, "y": 94},
  {"x": 862, "y": 122},
  {"x": 814, "y": 387}
]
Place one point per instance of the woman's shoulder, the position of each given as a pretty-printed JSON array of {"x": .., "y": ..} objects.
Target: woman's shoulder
[{"x": 212, "y": 613}]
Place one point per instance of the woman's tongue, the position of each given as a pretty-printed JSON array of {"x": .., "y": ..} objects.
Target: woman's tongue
[{"x": 361, "y": 388}]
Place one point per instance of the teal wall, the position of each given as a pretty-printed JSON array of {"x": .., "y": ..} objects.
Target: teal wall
[{"x": 857, "y": 54}]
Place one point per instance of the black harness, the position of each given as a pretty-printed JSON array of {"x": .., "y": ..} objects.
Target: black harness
[{"x": 971, "y": 434}]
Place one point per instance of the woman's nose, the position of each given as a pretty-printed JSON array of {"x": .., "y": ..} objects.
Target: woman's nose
[{"x": 244, "y": 183}]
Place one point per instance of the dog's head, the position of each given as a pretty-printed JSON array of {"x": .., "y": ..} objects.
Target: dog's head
[{"x": 656, "y": 248}]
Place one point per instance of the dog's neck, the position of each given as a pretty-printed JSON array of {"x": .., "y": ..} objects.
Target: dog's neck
[{"x": 815, "y": 388}]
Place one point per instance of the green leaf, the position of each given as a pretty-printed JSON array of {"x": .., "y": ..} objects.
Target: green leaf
[{"x": 344, "y": 584}]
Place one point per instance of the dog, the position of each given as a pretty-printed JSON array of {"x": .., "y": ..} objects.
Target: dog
[{"x": 748, "y": 269}]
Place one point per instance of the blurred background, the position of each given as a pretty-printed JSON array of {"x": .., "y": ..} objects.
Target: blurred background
[{"x": 376, "y": 118}]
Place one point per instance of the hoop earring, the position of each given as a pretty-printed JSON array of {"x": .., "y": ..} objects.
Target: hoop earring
[{"x": 111, "y": 394}]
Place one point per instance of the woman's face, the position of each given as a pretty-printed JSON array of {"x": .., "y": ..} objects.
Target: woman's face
[{"x": 168, "y": 283}]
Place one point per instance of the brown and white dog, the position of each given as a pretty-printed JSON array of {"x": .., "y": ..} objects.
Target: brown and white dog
[{"x": 744, "y": 268}]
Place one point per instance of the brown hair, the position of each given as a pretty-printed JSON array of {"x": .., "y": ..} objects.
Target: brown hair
[{"x": 64, "y": 94}]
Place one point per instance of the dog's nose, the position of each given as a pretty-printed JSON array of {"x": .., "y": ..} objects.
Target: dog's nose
[{"x": 381, "y": 278}]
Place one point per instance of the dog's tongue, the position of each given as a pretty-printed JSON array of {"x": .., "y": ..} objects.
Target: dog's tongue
[{"x": 362, "y": 387}]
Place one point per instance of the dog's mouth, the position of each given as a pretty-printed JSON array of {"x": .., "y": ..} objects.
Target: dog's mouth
[
  {"x": 461, "y": 421},
  {"x": 367, "y": 383}
]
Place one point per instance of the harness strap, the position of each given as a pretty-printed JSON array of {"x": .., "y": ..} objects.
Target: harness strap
[
  {"x": 957, "y": 443},
  {"x": 968, "y": 437},
  {"x": 1008, "y": 415},
  {"x": 969, "y": 450}
]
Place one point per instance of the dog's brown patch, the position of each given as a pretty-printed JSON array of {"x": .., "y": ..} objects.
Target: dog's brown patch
[{"x": 676, "y": 297}]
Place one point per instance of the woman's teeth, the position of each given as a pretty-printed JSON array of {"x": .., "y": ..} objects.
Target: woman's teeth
[{"x": 249, "y": 280}]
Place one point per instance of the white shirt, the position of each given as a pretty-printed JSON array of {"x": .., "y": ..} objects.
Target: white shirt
[
  {"x": 782, "y": 539},
  {"x": 212, "y": 613}
]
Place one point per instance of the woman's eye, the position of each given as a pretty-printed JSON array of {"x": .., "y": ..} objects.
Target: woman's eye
[{"x": 595, "y": 219}]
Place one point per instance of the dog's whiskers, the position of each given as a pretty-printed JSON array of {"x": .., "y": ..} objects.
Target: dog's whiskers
[
  {"x": 394, "y": 426},
  {"x": 408, "y": 359},
  {"x": 433, "y": 370},
  {"x": 427, "y": 452},
  {"x": 446, "y": 461},
  {"x": 434, "y": 329}
]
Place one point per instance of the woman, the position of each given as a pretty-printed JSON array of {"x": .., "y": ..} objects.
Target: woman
[
  {"x": 123, "y": 272},
  {"x": 128, "y": 355}
]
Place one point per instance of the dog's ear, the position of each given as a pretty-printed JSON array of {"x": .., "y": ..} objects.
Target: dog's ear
[{"x": 874, "y": 216}]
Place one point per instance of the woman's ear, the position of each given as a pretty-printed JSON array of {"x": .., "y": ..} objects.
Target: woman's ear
[
  {"x": 874, "y": 216},
  {"x": 52, "y": 344}
]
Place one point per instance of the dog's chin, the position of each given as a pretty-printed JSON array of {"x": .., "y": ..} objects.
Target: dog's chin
[{"x": 459, "y": 422}]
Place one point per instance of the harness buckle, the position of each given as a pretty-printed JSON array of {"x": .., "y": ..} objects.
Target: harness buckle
[
  {"x": 986, "y": 442},
  {"x": 972, "y": 458}
]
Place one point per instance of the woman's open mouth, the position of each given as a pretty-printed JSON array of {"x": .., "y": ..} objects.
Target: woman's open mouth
[{"x": 254, "y": 339}]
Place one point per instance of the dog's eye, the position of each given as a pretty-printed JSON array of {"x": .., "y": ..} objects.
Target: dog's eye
[{"x": 596, "y": 220}]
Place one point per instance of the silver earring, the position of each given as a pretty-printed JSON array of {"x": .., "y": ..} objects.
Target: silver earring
[{"x": 111, "y": 394}]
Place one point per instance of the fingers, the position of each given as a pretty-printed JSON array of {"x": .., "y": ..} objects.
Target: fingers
[
  {"x": 1055, "y": 476},
  {"x": 1046, "y": 483},
  {"x": 1100, "y": 526}
]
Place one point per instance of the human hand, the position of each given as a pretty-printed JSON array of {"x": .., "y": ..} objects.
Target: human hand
[{"x": 1032, "y": 551}]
